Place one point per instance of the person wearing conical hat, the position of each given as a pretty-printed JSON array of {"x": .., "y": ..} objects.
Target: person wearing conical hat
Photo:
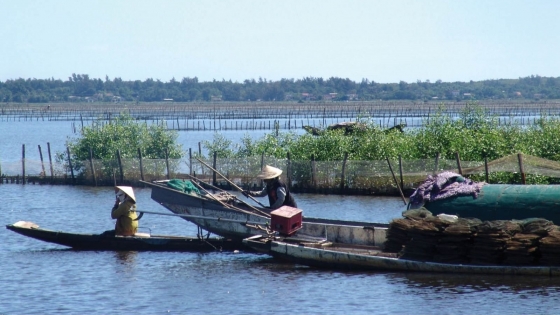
[
  {"x": 277, "y": 192},
  {"x": 124, "y": 211}
]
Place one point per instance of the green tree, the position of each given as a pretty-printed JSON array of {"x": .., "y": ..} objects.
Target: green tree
[{"x": 127, "y": 136}]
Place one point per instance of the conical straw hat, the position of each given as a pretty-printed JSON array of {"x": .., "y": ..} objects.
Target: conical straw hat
[
  {"x": 127, "y": 190},
  {"x": 269, "y": 172}
]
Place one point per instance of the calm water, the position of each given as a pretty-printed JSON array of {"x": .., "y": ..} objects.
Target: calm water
[{"x": 43, "y": 278}]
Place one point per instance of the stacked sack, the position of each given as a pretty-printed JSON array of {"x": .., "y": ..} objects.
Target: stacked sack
[
  {"x": 549, "y": 248},
  {"x": 490, "y": 241},
  {"x": 523, "y": 247},
  {"x": 456, "y": 240}
]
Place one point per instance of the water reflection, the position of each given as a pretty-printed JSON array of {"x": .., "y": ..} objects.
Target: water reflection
[
  {"x": 464, "y": 283},
  {"x": 127, "y": 258}
]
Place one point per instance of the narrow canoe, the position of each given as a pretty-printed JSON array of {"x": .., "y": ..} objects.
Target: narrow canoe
[{"x": 139, "y": 242}]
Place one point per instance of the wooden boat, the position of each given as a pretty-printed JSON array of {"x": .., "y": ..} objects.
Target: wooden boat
[
  {"x": 228, "y": 207},
  {"x": 325, "y": 254},
  {"x": 139, "y": 242}
]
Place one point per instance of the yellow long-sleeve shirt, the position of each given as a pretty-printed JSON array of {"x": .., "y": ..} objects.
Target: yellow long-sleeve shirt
[{"x": 125, "y": 213}]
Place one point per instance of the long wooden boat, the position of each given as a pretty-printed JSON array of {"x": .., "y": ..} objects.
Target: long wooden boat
[
  {"x": 233, "y": 209},
  {"x": 324, "y": 254},
  {"x": 140, "y": 242}
]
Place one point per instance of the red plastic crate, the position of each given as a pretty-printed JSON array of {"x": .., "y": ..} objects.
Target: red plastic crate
[{"x": 286, "y": 220}]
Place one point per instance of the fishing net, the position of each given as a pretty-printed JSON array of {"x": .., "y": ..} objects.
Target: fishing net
[{"x": 421, "y": 236}]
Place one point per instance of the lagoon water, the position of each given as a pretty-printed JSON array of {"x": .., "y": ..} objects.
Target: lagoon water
[{"x": 43, "y": 278}]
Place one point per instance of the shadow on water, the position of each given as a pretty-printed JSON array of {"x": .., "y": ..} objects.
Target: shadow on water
[
  {"x": 459, "y": 283},
  {"x": 435, "y": 282}
]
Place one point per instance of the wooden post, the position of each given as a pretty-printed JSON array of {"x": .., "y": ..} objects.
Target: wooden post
[
  {"x": 342, "y": 176},
  {"x": 313, "y": 169},
  {"x": 214, "y": 181},
  {"x": 395, "y": 179},
  {"x": 23, "y": 163},
  {"x": 262, "y": 166},
  {"x": 70, "y": 165},
  {"x": 43, "y": 174},
  {"x": 190, "y": 161},
  {"x": 91, "y": 166},
  {"x": 521, "y": 170},
  {"x": 50, "y": 160},
  {"x": 289, "y": 171},
  {"x": 401, "y": 170},
  {"x": 167, "y": 163},
  {"x": 119, "y": 161},
  {"x": 141, "y": 164},
  {"x": 458, "y": 159},
  {"x": 486, "y": 168},
  {"x": 199, "y": 150},
  {"x": 436, "y": 167}
]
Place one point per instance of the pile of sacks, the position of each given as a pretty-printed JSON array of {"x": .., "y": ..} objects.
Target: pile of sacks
[{"x": 448, "y": 239}]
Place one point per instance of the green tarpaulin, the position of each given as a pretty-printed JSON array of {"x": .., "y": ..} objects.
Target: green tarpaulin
[{"x": 185, "y": 186}]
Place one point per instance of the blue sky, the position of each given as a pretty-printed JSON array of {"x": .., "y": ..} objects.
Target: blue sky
[{"x": 384, "y": 41}]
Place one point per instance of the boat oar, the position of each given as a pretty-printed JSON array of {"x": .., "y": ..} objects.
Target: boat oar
[
  {"x": 230, "y": 182},
  {"x": 189, "y": 216},
  {"x": 216, "y": 188}
]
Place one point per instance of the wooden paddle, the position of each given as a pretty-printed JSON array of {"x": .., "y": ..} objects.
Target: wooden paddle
[
  {"x": 230, "y": 182},
  {"x": 202, "y": 217}
]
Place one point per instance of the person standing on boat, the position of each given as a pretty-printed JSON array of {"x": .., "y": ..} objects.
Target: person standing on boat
[
  {"x": 124, "y": 211},
  {"x": 277, "y": 192}
]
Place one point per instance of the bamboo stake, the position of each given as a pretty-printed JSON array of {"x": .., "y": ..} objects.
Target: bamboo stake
[
  {"x": 91, "y": 166},
  {"x": 521, "y": 170},
  {"x": 42, "y": 164},
  {"x": 395, "y": 179},
  {"x": 23, "y": 163}
]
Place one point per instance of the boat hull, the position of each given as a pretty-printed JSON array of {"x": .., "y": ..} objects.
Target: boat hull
[
  {"x": 122, "y": 243},
  {"x": 323, "y": 257}
]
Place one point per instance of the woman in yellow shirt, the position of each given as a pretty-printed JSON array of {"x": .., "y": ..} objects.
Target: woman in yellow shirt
[{"x": 124, "y": 211}]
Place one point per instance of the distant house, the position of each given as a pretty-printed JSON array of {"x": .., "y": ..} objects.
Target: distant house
[
  {"x": 168, "y": 100},
  {"x": 468, "y": 95},
  {"x": 455, "y": 93},
  {"x": 517, "y": 94},
  {"x": 307, "y": 96},
  {"x": 330, "y": 96},
  {"x": 352, "y": 97},
  {"x": 215, "y": 98}
]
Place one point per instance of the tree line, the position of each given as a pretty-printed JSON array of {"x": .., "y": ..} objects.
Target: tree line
[{"x": 82, "y": 88}]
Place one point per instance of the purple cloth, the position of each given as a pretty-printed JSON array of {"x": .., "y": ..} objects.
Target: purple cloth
[{"x": 444, "y": 185}]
